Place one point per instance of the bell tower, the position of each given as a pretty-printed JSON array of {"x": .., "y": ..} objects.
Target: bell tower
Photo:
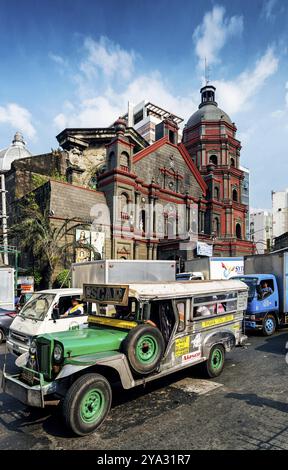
[{"x": 210, "y": 138}]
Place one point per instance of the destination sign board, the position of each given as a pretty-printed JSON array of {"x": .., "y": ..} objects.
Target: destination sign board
[{"x": 106, "y": 294}]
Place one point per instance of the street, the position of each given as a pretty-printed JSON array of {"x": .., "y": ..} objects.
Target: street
[{"x": 245, "y": 408}]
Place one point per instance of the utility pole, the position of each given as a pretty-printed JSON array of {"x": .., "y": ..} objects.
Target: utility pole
[{"x": 4, "y": 219}]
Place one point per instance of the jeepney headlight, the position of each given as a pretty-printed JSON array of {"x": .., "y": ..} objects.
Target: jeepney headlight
[
  {"x": 58, "y": 353},
  {"x": 33, "y": 347}
]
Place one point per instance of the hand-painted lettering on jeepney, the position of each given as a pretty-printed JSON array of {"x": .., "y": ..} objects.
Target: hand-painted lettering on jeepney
[
  {"x": 217, "y": 321},
  {"x": 182, "y": 346},
  {"x": 191, "y": 357}
]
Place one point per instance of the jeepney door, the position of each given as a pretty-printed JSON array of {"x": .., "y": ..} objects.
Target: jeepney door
[{"x": 185, "y": 345}]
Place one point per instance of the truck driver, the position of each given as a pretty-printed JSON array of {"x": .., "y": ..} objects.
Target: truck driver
[{"x": 76, "y": 308}]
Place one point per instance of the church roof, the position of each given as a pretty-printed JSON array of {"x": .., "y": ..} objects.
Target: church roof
[
  {"x": 208, "y": 112},
  {"x": 208, "y": 108},
  {"x": 15, "y": 151}
]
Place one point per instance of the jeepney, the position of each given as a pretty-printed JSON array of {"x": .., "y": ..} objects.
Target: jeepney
[{"x": 137, "y": 333}]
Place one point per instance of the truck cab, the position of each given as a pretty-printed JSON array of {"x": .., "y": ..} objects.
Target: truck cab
[
  {"x": 44, "y": 313},
  {"x": 190, "y": 276},
  {"x": 263, "y": 302}
]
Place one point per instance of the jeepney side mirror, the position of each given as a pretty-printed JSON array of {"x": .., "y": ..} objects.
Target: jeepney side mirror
[{"x": 55, "y": 314}]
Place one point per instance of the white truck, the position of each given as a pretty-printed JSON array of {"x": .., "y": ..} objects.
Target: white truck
[
  {"x": 7, "y": 291},
  {"x": 43, "y": 313},
  {"x": 215, "y": 267}
]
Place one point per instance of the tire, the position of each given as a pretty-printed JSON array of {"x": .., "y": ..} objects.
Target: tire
[
  {"x": 144, "y": 348},
  {"x": 215, "y": 363},
  {"x": 2, "y": 336},
  {"x": 269, "y": 325},
  {"x": 87, "y": 403}
]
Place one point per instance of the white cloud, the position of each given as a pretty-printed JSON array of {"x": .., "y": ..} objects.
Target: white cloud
[
  {"x": 107, "y": 57},
  {"x": 17, "y": 117},
  {"x": 100, "y": 101},
  {"x": 57, "y": 59},
  {"x": 236, "y": 95},
  {"x": 212, "y": 34},
  {"x": 267, "y": 10},
  {"x": 103, "y": 110}
]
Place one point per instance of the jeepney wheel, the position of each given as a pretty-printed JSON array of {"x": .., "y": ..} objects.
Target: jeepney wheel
[
  {"x": 144, "y": 348},
  {"x": 87, "y": 403},
  {"x": 269, "y": 325},
  {"x": 215, "y": 363}
]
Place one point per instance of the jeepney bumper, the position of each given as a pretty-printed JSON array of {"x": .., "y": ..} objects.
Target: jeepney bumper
[
  {"x": 243, "y": 340},
  {"x": 29, "y": 395}
]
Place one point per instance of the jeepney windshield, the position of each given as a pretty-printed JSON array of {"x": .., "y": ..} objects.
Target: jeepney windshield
[
  {"x": 37, "y": 307},
  {"x": 251, "y": 282},
  {"x": 124, "y": 312}
]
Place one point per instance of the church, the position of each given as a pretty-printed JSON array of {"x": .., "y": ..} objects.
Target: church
[{"x": 144, "y": 200}]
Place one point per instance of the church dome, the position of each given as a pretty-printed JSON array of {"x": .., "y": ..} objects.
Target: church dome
[
  {"x": 15, "y": 151},
  {"x": 208, "y": 108}
]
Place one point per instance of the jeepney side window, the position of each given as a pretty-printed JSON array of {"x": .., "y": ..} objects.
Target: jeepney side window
[
  {"x": 204, "y": 307},
  {"x": 181, "y": 309},
  {"x": 214, "y": 304}
]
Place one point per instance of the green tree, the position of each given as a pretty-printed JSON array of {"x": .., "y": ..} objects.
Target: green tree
[{"x": 34, "y": 232}]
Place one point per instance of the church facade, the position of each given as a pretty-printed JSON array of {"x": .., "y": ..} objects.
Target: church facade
[{"x": 152, "y": 201}]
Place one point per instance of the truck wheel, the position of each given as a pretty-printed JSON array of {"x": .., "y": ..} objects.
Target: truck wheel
[
  {"x": 144, "y": 347},
  {"x": 269, "y": 325},
  {"x": 2, "y": 336},
  {"x": 215, "y": 363},
  {"x": 87, "y": 403}
]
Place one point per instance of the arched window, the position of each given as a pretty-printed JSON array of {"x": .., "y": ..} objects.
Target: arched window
[
  {"x": 232, "y": 162},
  {"x": 238, "y": 231},
  {"x": 216, "y": 193},
  {"x": 213, "y": 159},
  {"x": 171, "y": 227},
  {"x": 143, "y": 220},
  {"x": 216, "y": 226},
  {"x": 110, "y": 160},
  {"x": 124, "y": 161},
  {"x": 124, "y": 206},
  {"x": 235, "y": 195}
]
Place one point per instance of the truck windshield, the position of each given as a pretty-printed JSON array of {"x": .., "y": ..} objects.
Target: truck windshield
[
  {"x": 251, "y": 282},
  {"x": 37, "y": 307},
  {"x": 183, "y": 277}
]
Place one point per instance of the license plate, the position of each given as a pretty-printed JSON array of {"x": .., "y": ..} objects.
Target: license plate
[
  {"x": 27, "y": 376},
  {"x": 250, "y": 324}
]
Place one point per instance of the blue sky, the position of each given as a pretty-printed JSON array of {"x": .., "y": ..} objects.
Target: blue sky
[{"x": 74, "y": 63}]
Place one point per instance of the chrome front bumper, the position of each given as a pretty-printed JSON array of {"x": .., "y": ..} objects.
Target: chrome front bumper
[
  {"x": 243, "y": 339},
  {"x": 32, "y": 396}
]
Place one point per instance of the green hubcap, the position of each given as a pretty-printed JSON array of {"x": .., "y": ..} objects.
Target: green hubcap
[
  {"x": 146, "y": 349},
  {"x": 216, "y": 359},
  {"x": 92, "y": 405}
]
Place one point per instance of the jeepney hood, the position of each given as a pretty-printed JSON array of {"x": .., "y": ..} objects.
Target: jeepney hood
[{"x": 88, "y": 340}]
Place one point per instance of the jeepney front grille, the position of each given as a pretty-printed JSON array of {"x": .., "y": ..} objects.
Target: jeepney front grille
[{"x": 43, "y": 356}]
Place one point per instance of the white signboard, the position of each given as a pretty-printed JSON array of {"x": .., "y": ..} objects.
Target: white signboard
[
  {"x": 204, "y": 249},
  {"x": 226, "y": 268}
]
